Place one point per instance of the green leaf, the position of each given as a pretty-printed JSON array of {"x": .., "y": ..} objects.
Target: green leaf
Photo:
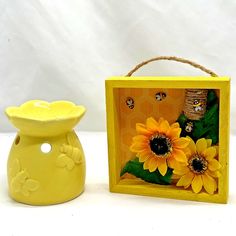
[
  {"x": 208, "y": 126},
  {"x": 210, "y": 114},
  {"x": 182, "y": 120},
  {"x": 211, "y": 98},
  {"x": 135, "y": 168}
]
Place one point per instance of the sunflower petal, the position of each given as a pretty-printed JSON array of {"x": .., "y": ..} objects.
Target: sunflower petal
[
  {"x": 140, "y": 138},
  {"x": 186, "y": 179},
  {"x": 152, "y": 164},
  {"x": 144, "y": 155},
  {"x": 192, "y": 145},
  {"x": 187, "y": 186},
  {"x": 187, "y": 152},
  {"x": 173, "y": 163},
  {"x": 209, "y": 142},
  {"x": 209, "y": 183},
  {"x": 197, "y": 184},
  {"x": 152, "y": 124},
  {"x": 215, "y": 174},
  {"x": 181, "y": 171},
  {"x": 179, "y": 155},
  {"x": 137, "y": 147},
  {"x": 162, "y": 166},
  {"x": 164, "y": 126},
  {"x": 210, "y": 153},
  {"x": 175, "y": 125},
  {"x": 174, "y": 133},
  {"x": 141, "y": 129},
  {"x": 175, "y": 177},
  {"x": 181, "y": 142},
  {"x": 146, "y": 164},
  {"x": 201, "y": 145},
  {"x": 214, "y": 165}
]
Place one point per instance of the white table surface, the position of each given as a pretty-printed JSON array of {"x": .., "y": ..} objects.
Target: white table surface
[{"x": 99, "y": 212}]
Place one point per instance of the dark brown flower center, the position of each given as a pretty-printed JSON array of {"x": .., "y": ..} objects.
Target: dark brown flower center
[
  {"x": 160, "y": 145},
  {"x": 198, "y": 164}
]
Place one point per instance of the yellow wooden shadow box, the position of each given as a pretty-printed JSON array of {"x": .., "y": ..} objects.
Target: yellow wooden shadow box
[{"x": 169, "y": 136}]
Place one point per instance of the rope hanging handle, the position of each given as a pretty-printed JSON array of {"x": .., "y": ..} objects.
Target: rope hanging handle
[
  {"x": 195, "y": 99},
  {"x": 172, "y": 58}
]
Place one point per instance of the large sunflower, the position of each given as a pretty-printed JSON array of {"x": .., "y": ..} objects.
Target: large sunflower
[
  {"x": 158, "y": 145},
  {"x": 202, "y": 168}
]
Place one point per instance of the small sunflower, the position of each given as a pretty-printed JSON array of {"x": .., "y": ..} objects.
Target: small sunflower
[
  {"x": 202, "y": 168},
  {"x": 158, "y": 145}
]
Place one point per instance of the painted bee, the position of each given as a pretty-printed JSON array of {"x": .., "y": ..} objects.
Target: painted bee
[
  {"x": 189, "y": 127},
  {"x": 130, "y": 103},
  {"x": 160, "y": 96},
  {"x": 197, "y": 105}
]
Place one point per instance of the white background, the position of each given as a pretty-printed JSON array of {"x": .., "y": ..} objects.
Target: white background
[{"x": 65, "y": 49}]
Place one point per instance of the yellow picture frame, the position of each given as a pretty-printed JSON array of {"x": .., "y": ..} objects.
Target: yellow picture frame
[{"x": 135, "y": 186}]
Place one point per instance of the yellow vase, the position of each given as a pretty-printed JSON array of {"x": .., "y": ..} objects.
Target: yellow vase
[{"x": 46, "y": 163}]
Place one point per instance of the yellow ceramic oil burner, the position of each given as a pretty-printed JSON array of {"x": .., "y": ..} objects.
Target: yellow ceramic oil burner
[{"x": 46, "y": 163}]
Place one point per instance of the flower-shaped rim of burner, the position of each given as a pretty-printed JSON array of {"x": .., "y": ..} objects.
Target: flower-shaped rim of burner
[{"x": 41, "y": 118}]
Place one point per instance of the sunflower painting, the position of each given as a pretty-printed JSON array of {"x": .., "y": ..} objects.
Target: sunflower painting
[
  {"x": 202, "y": 168},
  {"x": 183, "y": 153},
  {"x": 159, "y": 145}
]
